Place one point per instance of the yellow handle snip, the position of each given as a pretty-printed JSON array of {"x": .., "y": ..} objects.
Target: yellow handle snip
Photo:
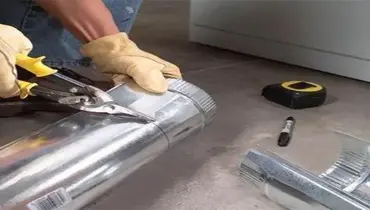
[
  {"x": 34, "y": 65},
  {"x": 25, "y": 88}
]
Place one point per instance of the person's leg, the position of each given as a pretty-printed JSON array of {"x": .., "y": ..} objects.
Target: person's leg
[
  {"x": 13, "y": 12},
  {"x": 124, "y": 12},
  {"x": 48, "y": 35}
]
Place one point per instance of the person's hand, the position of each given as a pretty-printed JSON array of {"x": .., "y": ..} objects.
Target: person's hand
[
  {"x": 12, "y": 42},
  {"x": 118, "y": 56}
]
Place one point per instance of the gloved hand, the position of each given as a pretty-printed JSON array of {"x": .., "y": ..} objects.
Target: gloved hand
[
  {"x": 118, "y": 56},
  {"x": 12, "y": 42}
]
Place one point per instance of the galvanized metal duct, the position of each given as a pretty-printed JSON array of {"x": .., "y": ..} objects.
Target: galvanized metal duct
[
  {"x": 71, "y": 162},
  {"x": 345, "y": 185}
]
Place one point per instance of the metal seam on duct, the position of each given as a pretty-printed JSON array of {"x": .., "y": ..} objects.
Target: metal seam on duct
[{"x": 199, "y": 97}]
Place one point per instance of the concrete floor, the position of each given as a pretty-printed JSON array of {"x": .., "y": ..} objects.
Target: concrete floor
[{"x": 202, "y": 172}]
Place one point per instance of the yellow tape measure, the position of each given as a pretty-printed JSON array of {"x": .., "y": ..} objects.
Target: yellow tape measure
[
  {"x": 296, "y": 94},
  {"x": 302, "y": 86}
]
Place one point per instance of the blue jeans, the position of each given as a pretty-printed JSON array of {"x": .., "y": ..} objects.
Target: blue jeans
[{"x": 48, "y": 35}]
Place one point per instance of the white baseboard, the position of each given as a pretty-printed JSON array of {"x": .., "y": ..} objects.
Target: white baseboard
[{"x": 352, "y": 67}]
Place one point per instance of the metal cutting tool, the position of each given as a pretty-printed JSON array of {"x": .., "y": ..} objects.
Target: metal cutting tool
[{"x": 81, "y": 97}]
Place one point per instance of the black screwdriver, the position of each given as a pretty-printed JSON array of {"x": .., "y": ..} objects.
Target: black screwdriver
[{"x": 286, "y": 132}]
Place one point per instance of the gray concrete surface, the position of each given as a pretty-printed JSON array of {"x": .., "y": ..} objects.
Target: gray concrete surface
[{"x": 201, "y": 172}]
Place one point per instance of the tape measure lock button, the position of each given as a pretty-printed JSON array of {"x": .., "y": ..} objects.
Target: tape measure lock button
[{"x": 296, "y": 94}]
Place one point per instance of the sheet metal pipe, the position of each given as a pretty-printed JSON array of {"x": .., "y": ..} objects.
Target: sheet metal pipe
[
  {"x": 297, "y": 188},
  {"x": 73, "y": 161}
]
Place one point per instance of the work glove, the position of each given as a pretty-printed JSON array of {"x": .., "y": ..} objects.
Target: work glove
[
  {"x": 12, "y": 42},
  {"x": 116, "y": 55}
]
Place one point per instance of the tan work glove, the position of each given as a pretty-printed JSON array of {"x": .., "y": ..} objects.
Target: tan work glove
[
  {"x": 119, "y": 57},
  {"x": 12, "y": 42}
]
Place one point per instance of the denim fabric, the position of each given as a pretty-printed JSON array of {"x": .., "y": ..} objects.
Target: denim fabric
[{"x": 48, "y": 35}]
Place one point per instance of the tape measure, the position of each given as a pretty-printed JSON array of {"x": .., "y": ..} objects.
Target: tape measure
[{"x": 296, "y": 94}]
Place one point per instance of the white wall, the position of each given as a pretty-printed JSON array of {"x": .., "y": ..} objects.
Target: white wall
[{"x": 331, "y": 35}]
